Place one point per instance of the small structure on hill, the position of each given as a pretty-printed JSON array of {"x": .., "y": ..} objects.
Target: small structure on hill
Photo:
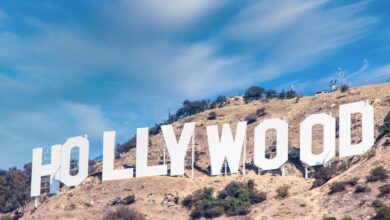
[{"x": 235, "y": 100}]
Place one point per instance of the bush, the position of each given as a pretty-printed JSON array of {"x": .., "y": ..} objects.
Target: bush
[
  {"x": 124, "y": 213},
  {"x": 376, "y": 203},
  {"x": 353, "y": 181},
  {"x": 251, "y": 118},
  {"x": 214, "y": 211},
  {"x": 219, "y": 102},
  {"x": 321, "y": 176},
  {"x": 291, "y": 94},
  {"x": 191, "y": 108},
  {"x": 15, "y": 188},
  {"x": 282, "y": 191},
  {"x": 344, "y": 88},
  {"x": 383, "y": 213},
  {"x": 269, "y": 94},
  {"x": 253, "y": 93},
  {"x": 235, "y": 199},
  {"x": 129, "y": 199},
  {"x": 384, "y": 190},
  {"x": 361, "y": 189},
  {"x": 251, "y": 184},
  {"x": 385, "y": 128},
  {"x": 260, "y": 112},
  {"x": 257, "y": 197},
  {"x": 328, "y": 218},
  {"x": 196, "y": 213},
  {"x": 212, "y": 116},
  {"x": 337, "y": 187},
  {"x": 347, "y": 218},
  {"x": 378, "y": 173}
]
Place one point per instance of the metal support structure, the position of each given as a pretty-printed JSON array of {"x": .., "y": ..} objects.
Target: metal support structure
[
  {"x": 306, "y": 172},
  {"x": 244, "y": 156},
  {"x": 225, "y": 166},
  {"x": 282, "y": 170},
  {"x": 164, "y": 160}
]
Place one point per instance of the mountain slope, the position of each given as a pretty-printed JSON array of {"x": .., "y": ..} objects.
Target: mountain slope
[{"x": 155, "y": 196}]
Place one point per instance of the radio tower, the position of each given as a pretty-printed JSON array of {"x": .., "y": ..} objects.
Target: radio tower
[
  {"x": 338, "y": 81},
  {"x": 341, "y": 77}
]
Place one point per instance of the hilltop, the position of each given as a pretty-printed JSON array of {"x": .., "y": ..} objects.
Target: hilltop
[{"x": 160, "y": 197}]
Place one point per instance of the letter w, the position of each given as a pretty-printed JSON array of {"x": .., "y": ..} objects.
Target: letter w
[{"x": 226, "y": 147}]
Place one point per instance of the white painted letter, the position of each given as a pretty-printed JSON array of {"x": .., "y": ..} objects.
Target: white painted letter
[
  {"x": 226, "y": 147},
  {"x": 367, "y": 111},
  {"x": 259, "y": 158},
  {"x": 177, "y": 151},
  {"x": 109, "y": 173},
  {"x": 142, "y": 168},
  {"x": 83, "y": 144},
  {"x": 329, "y": 139},
  {"x": 39, "y": 170}
]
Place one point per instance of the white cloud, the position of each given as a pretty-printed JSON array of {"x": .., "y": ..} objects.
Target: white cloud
[
  {"x": 362, "y": 68},
  {"x": 369, "y": 76},
  {"x": 161, "y": 15}
]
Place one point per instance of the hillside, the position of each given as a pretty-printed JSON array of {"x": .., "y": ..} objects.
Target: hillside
[{"x": 155, "y": 196}]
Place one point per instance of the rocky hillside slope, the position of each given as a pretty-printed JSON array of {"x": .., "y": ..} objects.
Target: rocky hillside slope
[{"x": 156, "y": 197}]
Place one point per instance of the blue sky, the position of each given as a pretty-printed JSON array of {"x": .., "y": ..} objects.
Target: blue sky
[{"x": 70, "y": 68}]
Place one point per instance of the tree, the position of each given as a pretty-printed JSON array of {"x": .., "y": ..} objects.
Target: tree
[
  {"x": 271, "y": 93},
  {"x": 219, "y": 102},
  {"x": 253, "y": 93},
  {"x": 15, "y": 188},
  {"x": 291, "y": 94},
  {"x": 282, "y": 94},
  {"x": 191, "y": 108}
]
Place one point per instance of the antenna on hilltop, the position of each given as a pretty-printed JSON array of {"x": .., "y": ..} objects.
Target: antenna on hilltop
[
  {"x": 338, "y": 81},
  {"x": 341, "y": 77}
]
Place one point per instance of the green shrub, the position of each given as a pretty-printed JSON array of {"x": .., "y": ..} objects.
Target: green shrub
[
  {"x": 321, "y": 176},
  {"x": 384, "y": 190},
  {"x": 251, "y": 184},
  {"x": 347, "y": 218},
  {"x": 361, "y": 189},
  {"x": 337, "y": 187},
  {"x": 212, "y": 116},
  {"x": 328, "y": 218},
  {"x": 282, "y": 191},
  {"x": 253, "y": 93},
  {"x": 219, "y": 102},
  {"x": 124, "y": 213},
  {"x": 383, "y": 213},
  {"x": 377, "y": 173},
  {"x": 353, "y": 181},
  {"x": 269, "y": 94},
  {"x": 235, "y": 199},
  {"x": 196, "y": 213},
  {"x": 257, "y": 197},
  {"x": 290, "y": 94},
  {"x": 261, "y": 112},
  {"x": 129, "y": 199},
  {"x": 214, "y": 211},
  {"x": 344, "y": 88},
  {"x": 251, "y": 118}
]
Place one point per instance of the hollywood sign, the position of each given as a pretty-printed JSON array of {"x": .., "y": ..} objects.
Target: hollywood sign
[{"x": 221, "y": 147}]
